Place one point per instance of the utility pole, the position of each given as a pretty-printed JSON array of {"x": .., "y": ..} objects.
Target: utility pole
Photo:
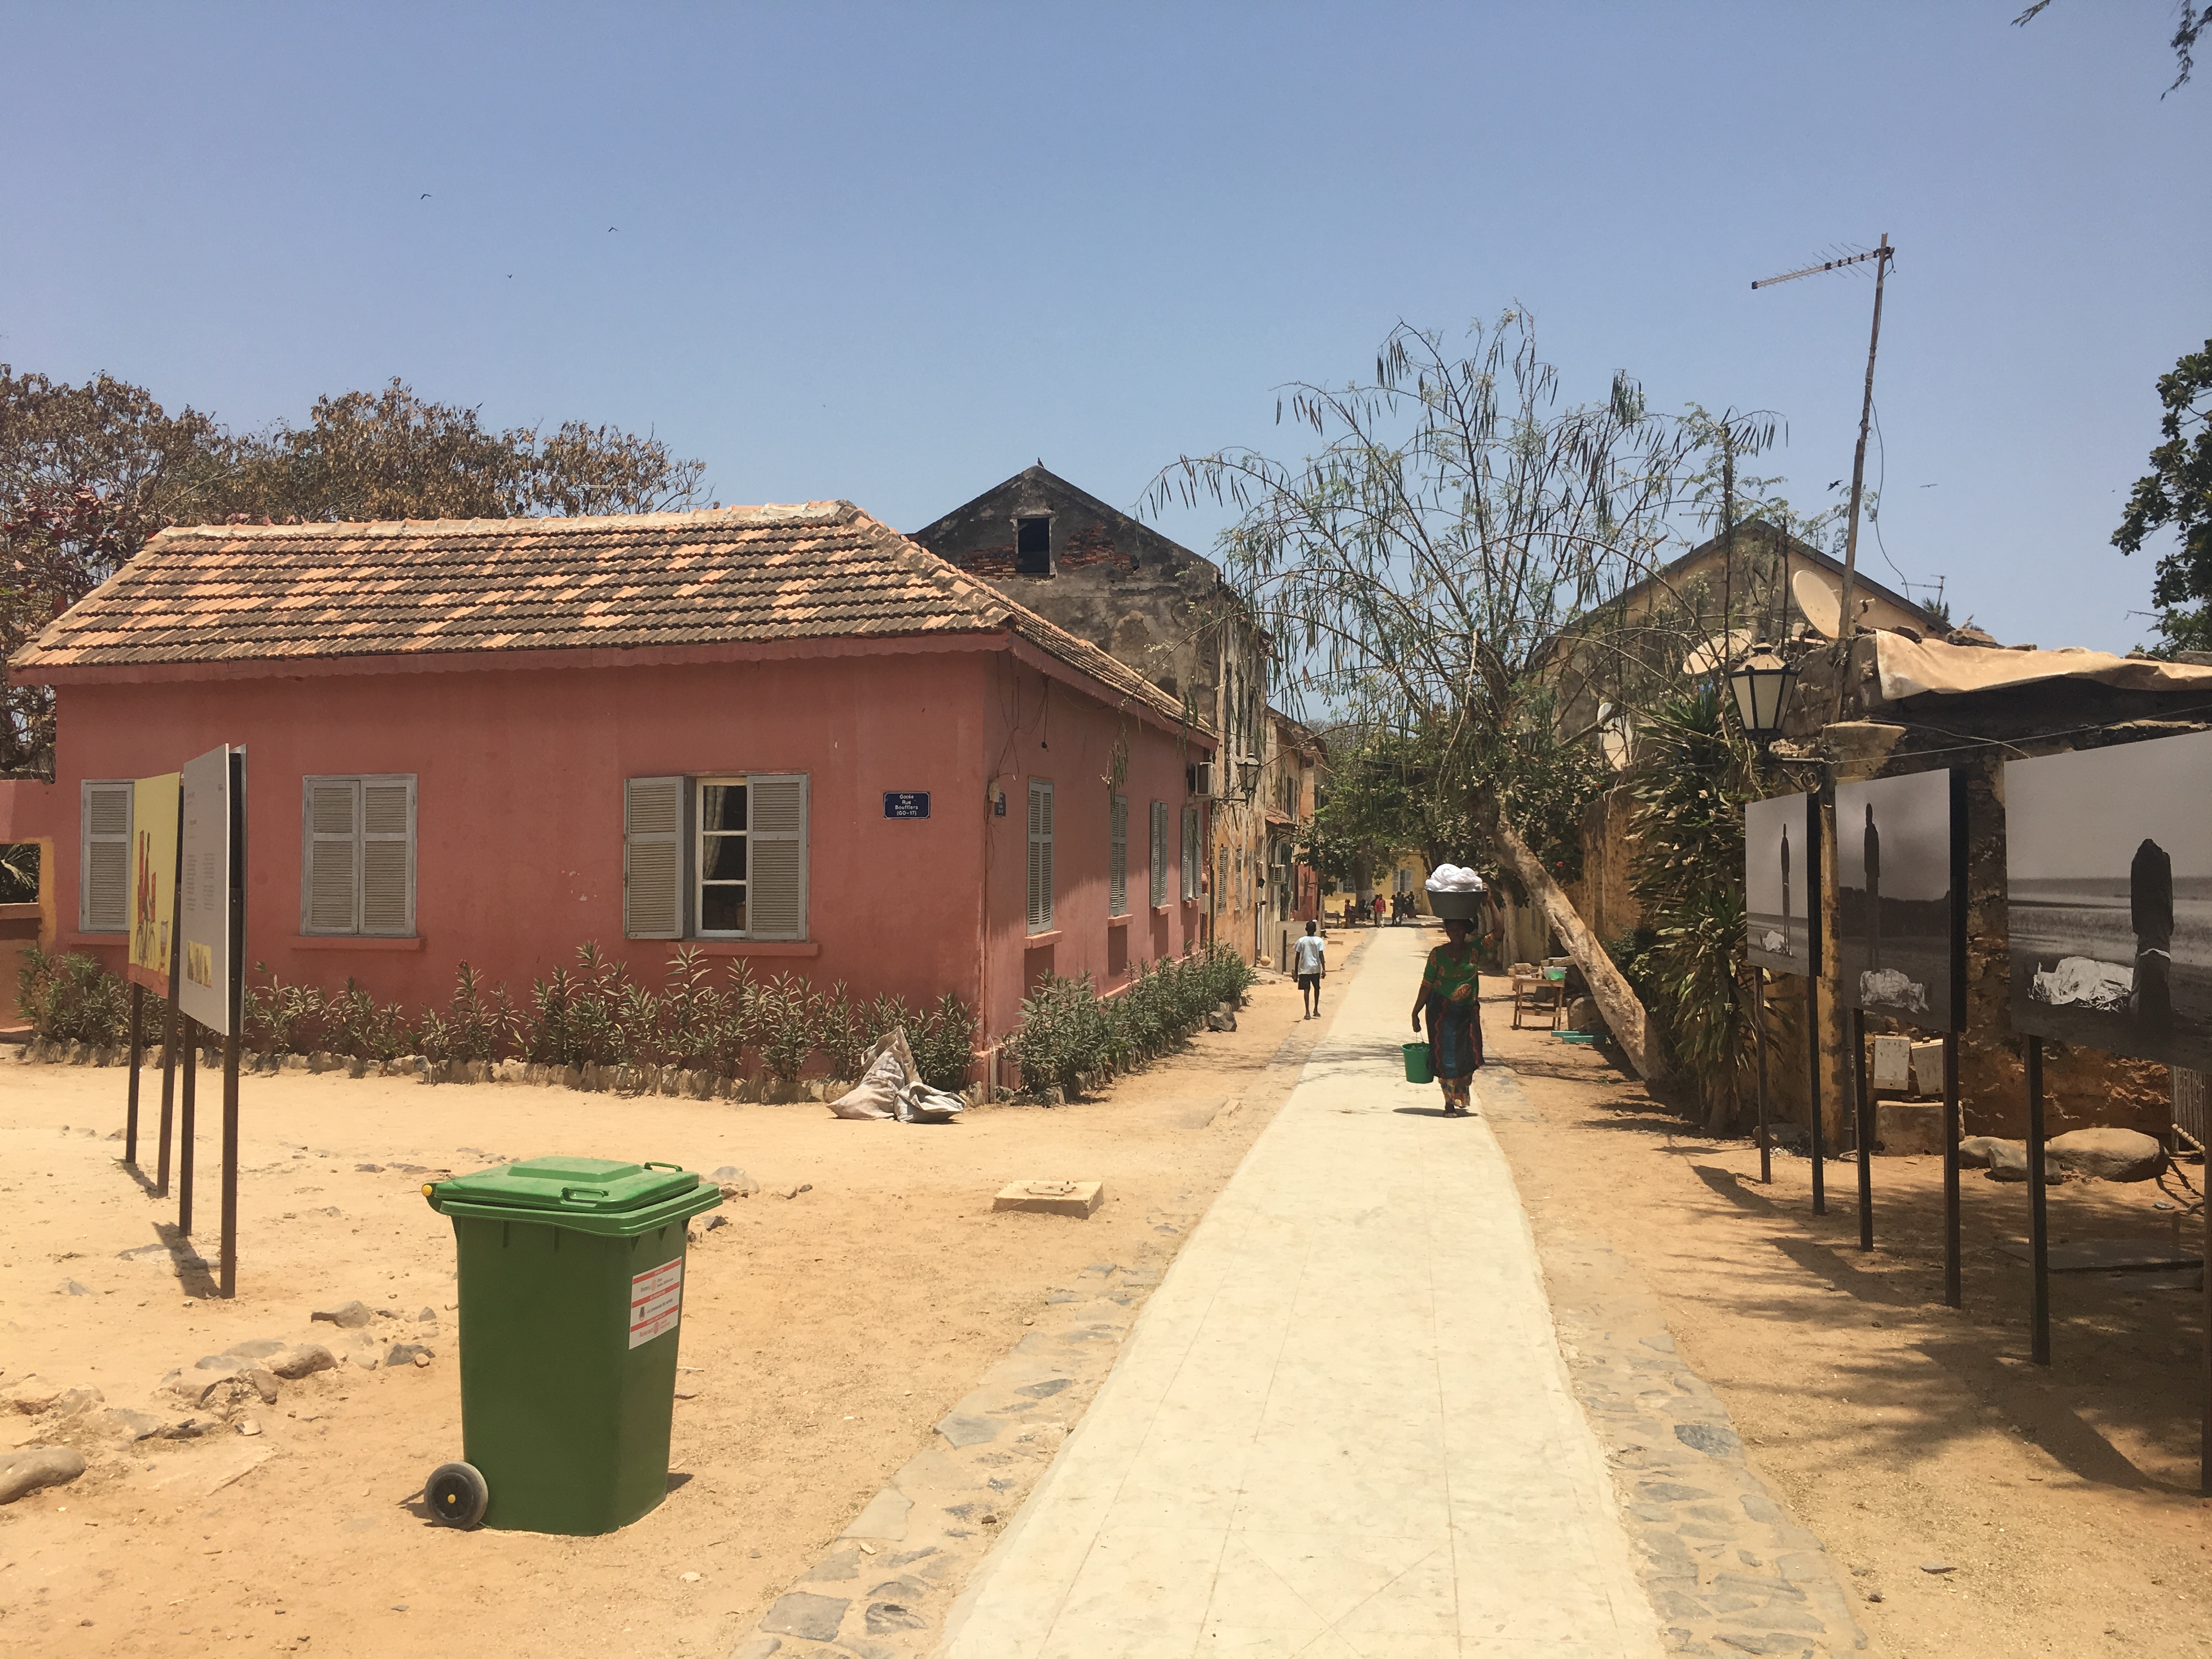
[
  {"x": 1858, "y": 460},
  {"x": 1881, "y": 255}
]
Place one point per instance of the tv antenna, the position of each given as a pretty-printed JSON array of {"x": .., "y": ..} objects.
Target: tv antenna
[{"x": 1881, "y": 255}]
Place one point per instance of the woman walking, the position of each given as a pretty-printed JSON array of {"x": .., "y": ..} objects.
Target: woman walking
[{"x": 1451, "y": 989}]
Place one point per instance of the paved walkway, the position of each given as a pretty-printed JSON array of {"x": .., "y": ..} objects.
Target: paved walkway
[{"x": 1341, "y": 1427}]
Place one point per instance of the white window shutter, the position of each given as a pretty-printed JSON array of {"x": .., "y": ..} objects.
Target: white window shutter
[
  {"x": 1117, "y": 857},
  {"x": 775, "y": 848},
  {"x": 1040, "y": 919},
  {"x": 387, "y": 856},
  {"x": 1036, "y": 887},
  {"x": 1190, "y": 852},
  {"x": 652, "y": 858},
  {"x": 330, "y": 882},
  {"x": 1160, "y": 852},
  {"x": 104, "y": 866}
]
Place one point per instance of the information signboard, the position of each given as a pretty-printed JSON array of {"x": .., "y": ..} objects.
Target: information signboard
[
  {"x": 153, "y": 880},
  {"x": 906, "y": 803}
]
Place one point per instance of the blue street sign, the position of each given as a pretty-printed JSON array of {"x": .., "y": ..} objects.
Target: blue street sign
[{"x": 906, "y": 803}]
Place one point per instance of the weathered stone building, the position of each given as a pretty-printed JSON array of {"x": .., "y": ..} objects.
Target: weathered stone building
[{"x": 1169, "y": 614}]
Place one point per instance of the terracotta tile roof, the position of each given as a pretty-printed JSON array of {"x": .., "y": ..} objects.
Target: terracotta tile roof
[{"x": 213, "y": 594}]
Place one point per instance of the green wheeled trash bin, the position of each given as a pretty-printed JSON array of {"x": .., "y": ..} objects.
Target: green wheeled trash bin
[{"x": 572, "y": 1296}]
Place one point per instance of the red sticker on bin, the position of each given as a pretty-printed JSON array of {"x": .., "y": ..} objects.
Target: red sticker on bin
[{"x": 655, "y": 1300}]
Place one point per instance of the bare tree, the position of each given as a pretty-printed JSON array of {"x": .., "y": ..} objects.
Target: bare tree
[{"x": 1457, "y": 525}]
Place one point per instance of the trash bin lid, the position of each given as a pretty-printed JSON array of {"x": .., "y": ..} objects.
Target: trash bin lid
[{"x": 575, "y": 1186}]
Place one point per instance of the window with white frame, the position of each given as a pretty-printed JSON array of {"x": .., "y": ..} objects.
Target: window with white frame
[
  {"x": 1159, "y": 852},
  {"x": 718, "y": 856},
  {"x": 357, "y": 862},
  {"x": 1117, "y": 856},
  {"x": 1040, "y": 868},
  {"x": 103, "y": 898},
  {"x": 1191, "y": 852}
]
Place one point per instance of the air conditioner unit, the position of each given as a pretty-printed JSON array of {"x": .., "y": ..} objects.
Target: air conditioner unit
[{"x": 1202, "y": 778}]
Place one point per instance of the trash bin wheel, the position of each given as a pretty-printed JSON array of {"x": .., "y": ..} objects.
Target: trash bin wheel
[{"x": 457, "y": 1494}]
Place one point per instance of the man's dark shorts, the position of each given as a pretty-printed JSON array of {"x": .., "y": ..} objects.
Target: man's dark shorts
[{"x": 1306, "y": 980}]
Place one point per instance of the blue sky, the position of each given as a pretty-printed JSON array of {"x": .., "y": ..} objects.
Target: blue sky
[{"x": 897, "y": 252}]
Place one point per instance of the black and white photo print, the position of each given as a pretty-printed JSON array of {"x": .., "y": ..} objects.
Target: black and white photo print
[
  {"x": 1897, "y": 936},
  {"x": 2108, "y": 866},
  {"x": 1781, "y": 883}
]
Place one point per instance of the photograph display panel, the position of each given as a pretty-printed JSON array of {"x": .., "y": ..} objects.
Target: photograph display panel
[
  {"x": 2108, "y": 867},
  {"x": 1896, "y": 945},
  {"x": 1781, "y": 883}
]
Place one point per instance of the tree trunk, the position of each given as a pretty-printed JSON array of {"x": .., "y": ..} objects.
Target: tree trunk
[{"x": 1623, "y": 1013}]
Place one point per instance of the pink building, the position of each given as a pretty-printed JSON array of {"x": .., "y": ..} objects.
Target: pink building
[{"x": 781, "y": 733}]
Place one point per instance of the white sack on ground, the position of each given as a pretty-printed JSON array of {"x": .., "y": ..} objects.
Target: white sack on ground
[
  {"x": 891, "y": 1086},
  {"x": 919, "y": 1104},
  {"x": 877, "y": 1094}
]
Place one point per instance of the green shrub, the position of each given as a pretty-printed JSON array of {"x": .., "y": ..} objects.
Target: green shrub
[
  {"x": 1066, "y": 1030},
  {"x": 282, "y": 1019},
  {"x": 589, "y": 1017},
  {"x": 790, "y": 1025},
  {"x": 846, "y": 1035},
  {"x": 946, "y": 1053},
  {"x": 1692, "y": 780},
  {"x": 691, "y": 1012},
  {"x": 474, "y": 1026},
  {"x": 361, "y": 1028},
  {"x": 72, "y": 999},
  {"x": 1063, "y": 1033}
]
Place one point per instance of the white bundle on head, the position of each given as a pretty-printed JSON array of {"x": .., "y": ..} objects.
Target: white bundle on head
[{"x": 1450, "y": 878}]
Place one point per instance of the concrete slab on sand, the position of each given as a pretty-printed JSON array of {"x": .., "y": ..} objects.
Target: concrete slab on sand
[
  {"x": 1343, "y": 1426},
  {"x": 1079, "y": 1198}
]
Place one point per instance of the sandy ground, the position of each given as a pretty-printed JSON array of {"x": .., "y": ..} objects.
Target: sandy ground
[
  {"x": 1901, "y": 1432},
  {"x": 826, "y": 1335}
]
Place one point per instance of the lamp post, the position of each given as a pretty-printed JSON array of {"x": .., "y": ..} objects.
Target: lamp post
[{"x": 1761, "y": 683}]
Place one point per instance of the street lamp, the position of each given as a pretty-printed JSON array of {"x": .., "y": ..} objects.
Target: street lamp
[{"x": 1761, "y": 683}]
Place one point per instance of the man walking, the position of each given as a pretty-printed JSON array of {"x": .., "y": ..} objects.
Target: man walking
[{"x": 1312, "y": 967}]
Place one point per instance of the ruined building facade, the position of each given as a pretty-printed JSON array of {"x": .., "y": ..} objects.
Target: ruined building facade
[{"x": 1168, "y": 613}]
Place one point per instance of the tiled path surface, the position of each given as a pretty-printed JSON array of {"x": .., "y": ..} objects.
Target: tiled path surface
[{"x": 1342, "y": 1426}]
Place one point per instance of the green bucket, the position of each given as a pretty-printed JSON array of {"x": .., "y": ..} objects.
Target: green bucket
[{"x": 1417, "y": 1063}]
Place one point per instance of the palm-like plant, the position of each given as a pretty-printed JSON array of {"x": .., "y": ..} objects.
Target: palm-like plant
[{"x": 1693, "y": 779}]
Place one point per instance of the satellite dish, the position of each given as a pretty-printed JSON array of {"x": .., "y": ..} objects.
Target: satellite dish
[
  {"x": 1718, "y": 652},
  {"x": 1822, "y": 605}
]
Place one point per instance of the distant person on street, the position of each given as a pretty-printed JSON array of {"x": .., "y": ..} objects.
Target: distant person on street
[
  {"x": 1378, "y": 909},
  {"x": 1451, "y": 990},
  {"x": 1311, "y": 955}
]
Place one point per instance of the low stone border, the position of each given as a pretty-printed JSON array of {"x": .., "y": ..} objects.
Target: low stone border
[
  {"x": 1728, "y": 1571},
  {"x": 670, "y": 1080}
]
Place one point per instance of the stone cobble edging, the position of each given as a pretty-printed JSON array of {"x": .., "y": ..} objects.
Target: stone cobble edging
[
  {"x": 1728, "y": 1571},
  {"x": 883, "y": 1589}
]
